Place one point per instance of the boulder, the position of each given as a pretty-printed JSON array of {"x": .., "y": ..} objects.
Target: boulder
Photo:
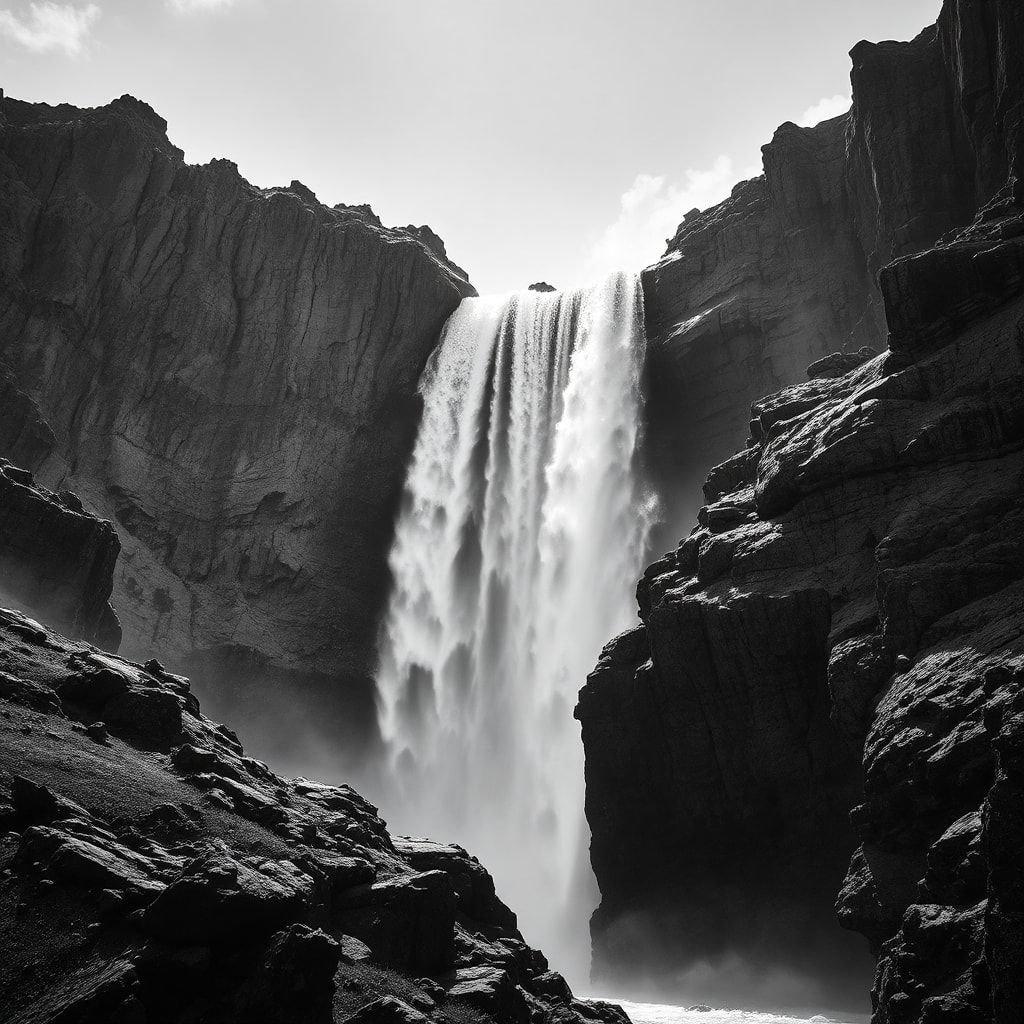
[
  {"x": 408, "y": 920},
  {"x": 219, "y": 898}
]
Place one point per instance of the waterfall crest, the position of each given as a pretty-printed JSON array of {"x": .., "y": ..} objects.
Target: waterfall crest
[{"x": 523, "y": 524}]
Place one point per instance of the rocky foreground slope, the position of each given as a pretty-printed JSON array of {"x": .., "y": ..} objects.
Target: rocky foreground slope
[
  {"x": 785, "y": 271},
  {"x": 824, "y": 702},
  {"x": 228, "y": 374},
  {"x": 151, "y": 872}
]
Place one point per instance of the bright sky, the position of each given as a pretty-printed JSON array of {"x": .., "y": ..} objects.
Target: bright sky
[{"x": 542, "y": 139}]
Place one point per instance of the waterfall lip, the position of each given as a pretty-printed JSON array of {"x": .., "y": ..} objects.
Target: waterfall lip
[{"x": 523, "y": 518}]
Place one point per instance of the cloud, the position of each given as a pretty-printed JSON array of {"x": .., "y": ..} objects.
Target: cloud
[
  {"x": 650, "y": 211},
  {"x": 825, "y": 109},
  {"x": 50, "y": 26}
]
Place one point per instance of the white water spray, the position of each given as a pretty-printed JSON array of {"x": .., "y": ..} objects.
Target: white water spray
[{"x": 522, "y": 528}]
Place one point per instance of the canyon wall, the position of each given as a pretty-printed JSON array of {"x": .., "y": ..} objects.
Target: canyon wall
[
  {"x": 228, "y": 374},
  {"x": 820, "y": 704},
  {"x": 785, "y": 271}
]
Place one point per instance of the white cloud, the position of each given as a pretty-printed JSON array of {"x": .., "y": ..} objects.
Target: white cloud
[
  {"x": 825, "y": 109},
  {"x": 50, "y": 26},
  {"x": 651, "y": 210}
]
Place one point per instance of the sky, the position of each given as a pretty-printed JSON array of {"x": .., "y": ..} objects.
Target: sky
[{"x": 547, "y": 140}]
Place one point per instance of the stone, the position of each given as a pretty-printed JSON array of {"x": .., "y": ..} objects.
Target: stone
[
  {"x": 386, "y": 1010},
  {"x": 491, "y": 991},
  {"x": 218, "y": 896},
  {"x": 149, "y": 719},
  {"x": 294, "y": 983},
  {"x": 38, "y": 805},
  {"x": 408, "y": 920}
]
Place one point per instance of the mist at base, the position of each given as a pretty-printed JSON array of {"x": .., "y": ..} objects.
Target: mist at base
[
  {"x": 664, "y": 1013},
  {"x": 522, "y": 532}
]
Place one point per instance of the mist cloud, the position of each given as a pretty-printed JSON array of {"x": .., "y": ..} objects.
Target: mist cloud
[{"x": 48, "y": 27}]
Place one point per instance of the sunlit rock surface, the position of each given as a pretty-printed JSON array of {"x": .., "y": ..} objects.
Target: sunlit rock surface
[
  {"x": 228, "y": 374},
  {"x": 821, "y": 703},
  {"x": 785, "y": 271},
  {"x": 151, "y": 871}
]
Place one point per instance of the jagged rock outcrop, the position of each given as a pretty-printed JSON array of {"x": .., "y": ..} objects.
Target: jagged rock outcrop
[
  {"x": 785, "y": 270},
  {"x": 828, "y": 672},
  {"x": 821, "y": 704},
  {"x": 228, "y": 374},
  {"x": 56, "y": 560},
  {"x": 151, "y": 871}
]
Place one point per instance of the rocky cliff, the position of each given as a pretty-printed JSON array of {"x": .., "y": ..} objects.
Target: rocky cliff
[
  {"x": 151, "y": 871},
  {"x": 821, "y": 703},
  {"x": 783, "y": 272},
  {"x": 228, "y": 374},
  {"x": 56, "y": 560}
]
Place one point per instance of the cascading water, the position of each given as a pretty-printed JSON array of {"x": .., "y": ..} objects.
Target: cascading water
[{"x": 522, "y": 526}]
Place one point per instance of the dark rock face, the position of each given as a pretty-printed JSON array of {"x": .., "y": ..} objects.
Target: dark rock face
[
  {"x": 151, "y": 872},
  {"x": 784, "y": 271},
  {"x": 828, "y": 670},
  {"x": 56, "y": 560},
  {"x": 228, "y": 374}
]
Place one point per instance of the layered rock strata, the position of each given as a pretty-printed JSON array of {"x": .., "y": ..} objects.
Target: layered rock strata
[
  {"x": 228, "y": 374},
  {"x": 826, "y": 679},
  {"x": 785, "y": 270}
]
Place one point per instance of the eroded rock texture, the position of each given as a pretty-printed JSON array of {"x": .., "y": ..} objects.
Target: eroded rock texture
[
  {"x": 823, "y": 694},
  {"x": 56, "y": 560},
  {"x": 785, "y": 270},
  {"x": 150, "y": 871},
  {"x": 226, "y": 372},
  {"x": 840, "y": 633}
]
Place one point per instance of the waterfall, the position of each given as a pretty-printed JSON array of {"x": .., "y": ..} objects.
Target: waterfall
[{"x": 522, "y": 528}]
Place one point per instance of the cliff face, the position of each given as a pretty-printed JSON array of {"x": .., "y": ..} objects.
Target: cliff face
[
  {"x": 229, "y": 375},
  {"x": 56, "y": 560},
  {"x": 821, "y": 697},
  {"x": 784, "y": 271},
  {"x": 151, "y": 871}
]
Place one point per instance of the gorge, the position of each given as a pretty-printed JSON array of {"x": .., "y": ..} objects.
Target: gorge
[{"x": 386, "y": 527}]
